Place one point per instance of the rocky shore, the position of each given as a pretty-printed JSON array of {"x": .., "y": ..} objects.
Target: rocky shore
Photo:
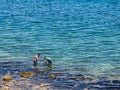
[
  {"x": 21, "y": 76},
  {"x": 23, "y": 82}
]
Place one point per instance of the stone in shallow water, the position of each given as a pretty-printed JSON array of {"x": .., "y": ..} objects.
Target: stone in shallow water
[
  {"x": 7, "y": 77},
  {"x": 52, "y": 76},
  {"x": 6, "y": 87},
  {"x": 41, "y": 71},
  {"x": 27, "y": 74},
  {"x": 44, "y": 84}
]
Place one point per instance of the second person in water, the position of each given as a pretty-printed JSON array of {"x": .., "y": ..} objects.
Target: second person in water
[{"x": 46, "y": 62}]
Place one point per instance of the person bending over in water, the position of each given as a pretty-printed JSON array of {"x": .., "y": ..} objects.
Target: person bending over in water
[
  {"x": 36, "y": 58},
  {"x": 47, "y": 61}
]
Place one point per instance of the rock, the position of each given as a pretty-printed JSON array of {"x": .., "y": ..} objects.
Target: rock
[
  {"x": 41, "y": 71},
  {"x": 6, "y": 87},
  {"x": 27, "y": 74},
  {"x": 44, "y": 84},
  {"x": 7, "y": 78},
  {"x": 52, "y": 76}
]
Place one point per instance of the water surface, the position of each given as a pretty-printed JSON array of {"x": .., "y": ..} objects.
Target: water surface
[{"x": 81, "y": 37}]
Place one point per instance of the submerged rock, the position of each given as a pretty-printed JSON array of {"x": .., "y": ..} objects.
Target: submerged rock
[
  {"x": 44, "y": 84},
  {"x": 52, "y": 76},
  {"x": 7, "y": 77},
  {"x": 27, "y": 74},
  {"x": 41, "y": 71}
]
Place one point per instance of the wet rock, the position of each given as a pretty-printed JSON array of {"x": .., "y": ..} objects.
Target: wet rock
[
  {"x": 44, "y": 84},
  {"x": 6, "y": 87},
  {"x": 7, "y": 78},
  {"x": 41, "y": 71},
  {"x": 27, "y": 74},
  {"x": 52, "y": 76}
]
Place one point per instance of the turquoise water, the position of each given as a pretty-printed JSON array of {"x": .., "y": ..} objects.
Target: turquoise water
[{"x": 80, "y": 36}]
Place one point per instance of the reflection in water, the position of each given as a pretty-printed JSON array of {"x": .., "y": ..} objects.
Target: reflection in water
[
  {"x": 47, "y": 69},
  {"x": 36, "y": 68}
]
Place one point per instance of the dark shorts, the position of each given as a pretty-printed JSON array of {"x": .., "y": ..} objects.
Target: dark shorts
[
  {"x": 35, "y": 63},
  {"x": 49, "y": 62}
]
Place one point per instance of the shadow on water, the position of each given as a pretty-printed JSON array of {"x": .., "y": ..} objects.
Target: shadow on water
[{"x": 63, "y": 80}]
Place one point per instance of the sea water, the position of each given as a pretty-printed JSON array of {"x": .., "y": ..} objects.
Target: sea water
[{"x": 81, "y": 36}]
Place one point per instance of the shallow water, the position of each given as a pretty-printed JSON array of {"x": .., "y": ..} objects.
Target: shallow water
[
  {"x": 63, "y": 81},
  {"x": 81, "y": 37}
]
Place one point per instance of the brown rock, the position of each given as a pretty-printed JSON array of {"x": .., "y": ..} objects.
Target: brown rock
[
  {"x": 7, "y": 78},
  {"x": 52, "y": 76},
  {"x": 27, "y": 74},
  {"x": 44, "y": 84},
  {"x": 41, "y": 71}
]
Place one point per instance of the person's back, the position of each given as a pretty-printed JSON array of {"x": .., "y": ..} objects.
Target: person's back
[{"x": 47, "y": 60}]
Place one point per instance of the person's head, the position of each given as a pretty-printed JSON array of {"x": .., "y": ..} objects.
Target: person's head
[{"x": 38, "y": 54}]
